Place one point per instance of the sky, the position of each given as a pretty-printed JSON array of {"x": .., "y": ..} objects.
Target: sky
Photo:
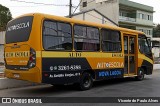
[{"x": 19, "y": 8}]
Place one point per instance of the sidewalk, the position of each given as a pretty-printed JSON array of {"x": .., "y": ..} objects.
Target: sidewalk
[{"x": 6, "y": 83}]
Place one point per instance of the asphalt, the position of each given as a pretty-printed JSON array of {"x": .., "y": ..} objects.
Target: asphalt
[
  {"x": 149, "y": 87},
  {"x": 6, "y": 83}
]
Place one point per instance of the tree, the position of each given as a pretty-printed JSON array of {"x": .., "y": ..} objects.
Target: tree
[
  {"x": 5, "y": 16},
  {"x": 156, "y": 31}
]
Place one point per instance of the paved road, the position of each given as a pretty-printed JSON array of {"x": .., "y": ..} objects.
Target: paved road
[{"x": 149, "y": 87}]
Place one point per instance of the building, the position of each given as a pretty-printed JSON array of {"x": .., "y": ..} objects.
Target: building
[
  {"x": 99, "y": 12},
  {"x": 2, "y": 41},
  {"x": 136, "y": 16},
  {"x": 125, "y": 13},
  {"x": 98, "y": 17}
]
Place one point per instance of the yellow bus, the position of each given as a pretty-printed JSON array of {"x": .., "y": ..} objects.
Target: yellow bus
[{"x": 57, "y": 50}]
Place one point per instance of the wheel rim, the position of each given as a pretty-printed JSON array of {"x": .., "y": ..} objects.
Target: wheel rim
[
  {"x": 141, "y": 75},
  {"x": 86, "y": 82}
]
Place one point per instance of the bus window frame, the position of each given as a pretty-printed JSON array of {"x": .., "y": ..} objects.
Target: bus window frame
[
  {"x": 120, "y": 41},
  {"x": 47, "y": 19},
  {"x": 86, "y": 34}
]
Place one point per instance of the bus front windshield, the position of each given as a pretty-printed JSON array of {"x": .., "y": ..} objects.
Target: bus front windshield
[{"x": 144, "y": 45}]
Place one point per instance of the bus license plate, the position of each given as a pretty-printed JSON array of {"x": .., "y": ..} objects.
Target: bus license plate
[{"x": 16, "y": 75}]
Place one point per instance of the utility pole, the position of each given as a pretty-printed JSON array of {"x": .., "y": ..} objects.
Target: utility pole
[{"x": 70, "y": 8}]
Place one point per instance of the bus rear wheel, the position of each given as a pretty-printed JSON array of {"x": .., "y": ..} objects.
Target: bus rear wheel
[
  {"x": 86, "y": 81},
  {"x": 140, "y": 76}
]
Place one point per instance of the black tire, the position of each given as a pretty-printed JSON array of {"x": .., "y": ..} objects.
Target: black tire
[
  {"x": 86, "y": 81},
  {"x": 140, "y": 76}
]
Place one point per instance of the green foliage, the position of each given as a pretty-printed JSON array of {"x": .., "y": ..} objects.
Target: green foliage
[
  {"x": 5, "y": 16},
  {"x": 156, "y": 31}
]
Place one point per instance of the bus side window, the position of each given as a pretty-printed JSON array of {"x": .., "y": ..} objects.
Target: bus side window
[
  {"x": 111, "y": 40},
  {"x": 86, "y": 38},
  {"x": 57, "y": 35}
]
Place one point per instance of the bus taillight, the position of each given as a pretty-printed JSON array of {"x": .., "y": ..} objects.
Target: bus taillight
[{"x": 32, "y": 58}]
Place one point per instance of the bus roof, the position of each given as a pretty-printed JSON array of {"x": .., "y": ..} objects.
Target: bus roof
[{"x": 60, "y": 18}]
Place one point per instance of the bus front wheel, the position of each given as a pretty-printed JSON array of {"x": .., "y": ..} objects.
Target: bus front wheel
[
  {"x": 140, "y": 76},
  {"x": 86, "y": 81}
]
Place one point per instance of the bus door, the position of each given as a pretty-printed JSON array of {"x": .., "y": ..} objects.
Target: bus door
[{"x": 130, "y": 44}]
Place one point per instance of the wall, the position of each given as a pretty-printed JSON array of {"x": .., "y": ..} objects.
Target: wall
[
  {"x": 156, "y": 52},
  {"x": 144, "y": 21},
  {"x": 1, "y": 53},
  {"x": 2, "y": 37},
  {"x": 109, "y": 8},
  {"x": 93, "y": 16},
  {"x": 145, "y": 29}
]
